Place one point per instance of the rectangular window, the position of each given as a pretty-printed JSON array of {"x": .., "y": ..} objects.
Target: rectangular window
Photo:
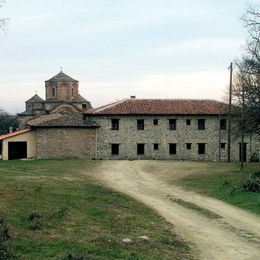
[
  {"x": 114, "y": 124},
  {"x": 114, "y": 149},
  {"x": 140, "y": 124},
  {"x": 201, "y": 148},
  {"x": 188, "y": 146},
  {"x": 156, "y": 146},
  {"x": 172, "y": 148},
  {"x": 155, "y": 122},
  {"x": 201, "y": 124},
  {"x": 188, "y": 121},
  {"x": 172, "y": 124},
  {"x": 53, "y": 92},
  {"x": 223, "y": 145},
  {"x": 223, "y": 124},
  {"x": 140, "y": 149}
]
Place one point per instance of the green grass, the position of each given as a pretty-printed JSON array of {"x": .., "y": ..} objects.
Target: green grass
[
  {"x": 53, "y": 210},
  {"x": 218, "y": 180}
]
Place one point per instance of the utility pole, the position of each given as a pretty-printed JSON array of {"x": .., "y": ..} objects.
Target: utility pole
[
  {"x": 242, "y": 129},
  {"x": 219, "y": 137},
  {"x": 229, "y": 111}
]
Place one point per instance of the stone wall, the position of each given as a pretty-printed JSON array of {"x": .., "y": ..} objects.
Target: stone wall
[
  {"x": 128, "y": 137},
  {"x": 54, "y": 106},
  {"x": 66, "y": 143},
  {"x": 62, "y": 90}
]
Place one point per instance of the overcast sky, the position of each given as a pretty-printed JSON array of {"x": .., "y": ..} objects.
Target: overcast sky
[{"x": 118, "y": 48}]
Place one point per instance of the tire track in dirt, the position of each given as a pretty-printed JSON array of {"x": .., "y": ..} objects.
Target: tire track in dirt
[{"x": 235, "y": 234}]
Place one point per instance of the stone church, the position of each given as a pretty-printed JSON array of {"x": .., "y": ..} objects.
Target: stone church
[
  {"x": 61, "y": 94},
  {"x": 54, "y": 127},
  {"x": 65, "y": 125}
]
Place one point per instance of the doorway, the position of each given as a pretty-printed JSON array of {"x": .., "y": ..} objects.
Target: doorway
[
  {"x": 244, "y": 152},
  {"x": 17, "y": 150},
  {"x": 114, "y": 149},
  {"x": 140, "y": 149}
]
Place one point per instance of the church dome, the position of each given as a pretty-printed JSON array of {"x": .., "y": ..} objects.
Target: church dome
[
  {"x": 61, "y": 77},
  {"x": 35, "y": 99}
]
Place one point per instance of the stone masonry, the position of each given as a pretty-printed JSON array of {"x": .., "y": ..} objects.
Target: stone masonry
[
  {"x": 128, "y": 137},
  {"x": 67, "y": 126},
  {"x": 62, "y": 94},
  {"x": 65, "y": 143}
]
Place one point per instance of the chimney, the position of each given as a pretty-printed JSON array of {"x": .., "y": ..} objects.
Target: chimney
[
  {"x": 132, "y": 97},
  {"x": 10, "y": 129}
]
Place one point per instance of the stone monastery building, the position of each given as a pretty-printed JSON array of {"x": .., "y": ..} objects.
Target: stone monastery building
[{"x": 65, "y": 125}]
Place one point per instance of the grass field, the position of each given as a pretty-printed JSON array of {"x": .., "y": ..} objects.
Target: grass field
[
  {"x": 54, "y": 212},
  {"x": 218, "y": 179}
]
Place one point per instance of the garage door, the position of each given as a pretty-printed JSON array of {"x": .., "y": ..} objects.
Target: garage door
[{"x": 17, "y": 150}]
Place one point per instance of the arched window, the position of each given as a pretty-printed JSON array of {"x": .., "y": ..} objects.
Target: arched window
[{"x": 53, "y": 92}]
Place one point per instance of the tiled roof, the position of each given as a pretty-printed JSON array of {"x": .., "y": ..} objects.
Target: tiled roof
[
  {"x": 161, "y": 107},
  {"x": 59, "y": 120},
  {"x": 82, "y": 99},
  {"x": 35, "y": 98},
  {"x": 25, "y": 113},
  {"x": 62, "y": 77},
  {"x": 19, "y": 132}
]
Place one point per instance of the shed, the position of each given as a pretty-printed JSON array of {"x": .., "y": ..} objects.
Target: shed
[{"x": 20, "y": 144}]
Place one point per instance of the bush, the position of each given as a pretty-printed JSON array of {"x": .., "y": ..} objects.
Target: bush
[
  {"x": 5, "y": 251},
  {"x": 252, "y": 184},
  {"x": 34, "y": 221}
]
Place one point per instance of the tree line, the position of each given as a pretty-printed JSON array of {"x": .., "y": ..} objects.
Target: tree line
[
  {"x": 6, "y": 121},
  {"x": 246, "y": 88},
  {"x": 3, "y": 21}
]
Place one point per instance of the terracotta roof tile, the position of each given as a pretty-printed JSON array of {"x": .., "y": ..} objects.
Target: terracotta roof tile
[
  {"x": 18, "y": 132},
  {"x": 161, "y": 107},
  {"x": 59, "y": 120}
]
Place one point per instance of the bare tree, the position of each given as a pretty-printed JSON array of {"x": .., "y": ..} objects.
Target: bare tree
[
  {"x": 3, "y": 21},
  {"x": 251, "y": 21},
  {"x": 246, "y": 90}
]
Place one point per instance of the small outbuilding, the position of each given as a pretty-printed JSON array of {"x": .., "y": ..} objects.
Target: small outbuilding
[{"x": 20, "y": 144}]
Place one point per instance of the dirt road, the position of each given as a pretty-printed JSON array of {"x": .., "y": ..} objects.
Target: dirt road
[{"x": 217, "y": 230}]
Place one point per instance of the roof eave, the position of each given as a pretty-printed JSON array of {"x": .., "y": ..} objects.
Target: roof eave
[
  {"x": 40, "y": 126},
  {"x": 151, "y": 114},
  {"x": 54, "y": 81}
]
